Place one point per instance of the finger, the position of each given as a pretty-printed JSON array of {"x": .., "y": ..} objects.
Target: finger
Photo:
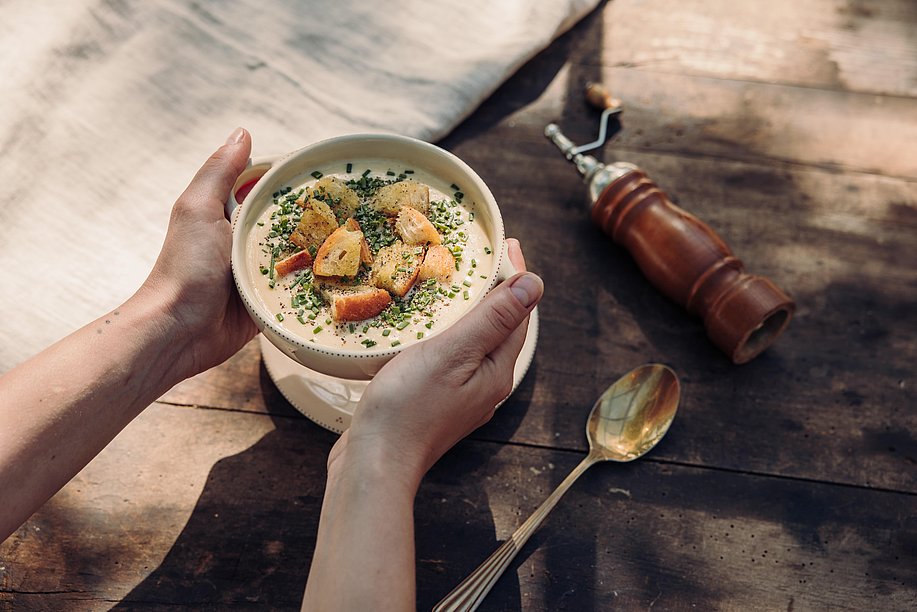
[
  {"x": 213, "y": 182},
  {"x": 504, "y": 356},
  {"x": 492, "y": 321},
  {"x": 514, "y": 250}
]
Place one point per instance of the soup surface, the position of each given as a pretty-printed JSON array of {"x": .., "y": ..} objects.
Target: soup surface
[{"x": 301, "y": 300}]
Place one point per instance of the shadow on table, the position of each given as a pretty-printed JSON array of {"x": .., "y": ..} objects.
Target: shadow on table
[{"x": 251, "y": 536}]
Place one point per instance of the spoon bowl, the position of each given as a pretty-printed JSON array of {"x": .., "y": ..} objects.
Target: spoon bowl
[
  {"x": 633, "y": 414},
  {"x": 626, "y": 422}
]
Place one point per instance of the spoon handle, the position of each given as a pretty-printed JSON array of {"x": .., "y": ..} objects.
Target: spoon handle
[{"x": 469, "y": 594}]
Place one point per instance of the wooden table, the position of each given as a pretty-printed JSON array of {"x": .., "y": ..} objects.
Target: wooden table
[{"x": 787, "y": 483}]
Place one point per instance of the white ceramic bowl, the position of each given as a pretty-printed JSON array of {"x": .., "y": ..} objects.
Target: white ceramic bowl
[{"x": 273, "y": 173}]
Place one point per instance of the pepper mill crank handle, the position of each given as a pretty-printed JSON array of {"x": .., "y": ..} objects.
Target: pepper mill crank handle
[{"x": 688, "y": 262}]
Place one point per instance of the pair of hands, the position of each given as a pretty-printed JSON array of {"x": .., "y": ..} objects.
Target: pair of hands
[{"x": 421, "y": 403}]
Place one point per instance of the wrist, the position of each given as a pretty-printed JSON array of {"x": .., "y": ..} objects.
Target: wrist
[
  {"x": 374, "y": 464},
  {"x": 167, "y": 341}
]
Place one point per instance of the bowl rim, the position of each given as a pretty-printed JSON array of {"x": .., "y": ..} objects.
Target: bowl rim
[{"x": 238, "y": 253}]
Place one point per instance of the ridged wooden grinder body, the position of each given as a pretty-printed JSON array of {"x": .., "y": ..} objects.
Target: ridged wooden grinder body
[{"x": 690, "y": 263}]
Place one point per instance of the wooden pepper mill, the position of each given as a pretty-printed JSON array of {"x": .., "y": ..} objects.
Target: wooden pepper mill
[{"x": 680, "y": 255}]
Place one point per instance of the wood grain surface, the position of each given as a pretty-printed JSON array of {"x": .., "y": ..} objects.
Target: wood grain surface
[{"x": 788, "y": 483}]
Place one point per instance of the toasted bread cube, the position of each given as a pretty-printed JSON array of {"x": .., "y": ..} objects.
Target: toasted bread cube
[
  {"x": 438, "y": 263},
  {"x": 343, "y": 200},
  {"x": 339, "y": 254},
  {"x": 315, "y": 225},
  {"x": 366, "y": 255},
  {"x": 415, "y": 228},
  {"x": 355, "y": 303},
  {"x": 296, "y": 261},
  {"x": 389, "y": 200},
  {"x": 395, "y": 268}
]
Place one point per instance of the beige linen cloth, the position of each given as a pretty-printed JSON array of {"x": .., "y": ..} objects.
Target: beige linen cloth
[{"x": 110, "y": 106}]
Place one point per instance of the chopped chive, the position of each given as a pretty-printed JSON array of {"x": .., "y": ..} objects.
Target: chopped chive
[
  {"x": 459, "y": 195},
  {"x": 466, "y": 282},
  {"x": 488, "y": 250},
  {"x": 396, "y": 342},
  {"x": 260, "y": 223},
  {"x": 366, "y": 172},
  {"x": 317, "y": 174},
  {"x": 474, "y": 263},
  {"x": 390, "y": 173},
  {"x": 470, "y": 216},
  {"x": 280, "y": 316},
  {"x": 402, "y": 325},
  {"x": 300, "y": 319},
  {"x": 365, "y": 328},
  {"x": 386, "y": 332},
  {"x": 451, "y": 295},
  {"x": 419, "y": 335},
  {"x": 409, "y": 171},
  {"x": 349, "y": 168},
  {"x": 483, "y": 276},
  {"x": 465, "y": 295},
  {"x": 312, "y": 316},
  {"x": 352, "y": 328},
  {"x": 317, "y": 329},
  {"x": 429, "y": 324},
  {"x": 454, "y": 187}
]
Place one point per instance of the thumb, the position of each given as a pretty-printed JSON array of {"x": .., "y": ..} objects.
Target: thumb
[
  {"x": 490, "y": 323},
  {"x": 215, "y": 179}
]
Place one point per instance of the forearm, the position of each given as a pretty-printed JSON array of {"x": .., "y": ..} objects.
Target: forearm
[
  {"x": 63, "y": 406},
  {"x": 364, "y": 554}
]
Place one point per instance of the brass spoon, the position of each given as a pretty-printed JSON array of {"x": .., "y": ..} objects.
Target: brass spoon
[{"x": 627, "y": 421}]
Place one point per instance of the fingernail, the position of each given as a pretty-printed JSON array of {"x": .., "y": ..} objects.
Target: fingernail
[
  {"x": 236, "y": 136},
  {"x": 527, "y": 289}
]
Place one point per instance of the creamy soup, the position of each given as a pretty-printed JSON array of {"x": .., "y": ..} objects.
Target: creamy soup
[{"x": 299, "y": 300}]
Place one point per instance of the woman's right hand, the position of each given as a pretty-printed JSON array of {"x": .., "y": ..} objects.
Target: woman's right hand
[{"x": 435, "y": 393}]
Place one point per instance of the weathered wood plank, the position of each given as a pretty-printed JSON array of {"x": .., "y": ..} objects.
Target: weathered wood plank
[
  {"x": 646, "y": 534},
  {"x": 163, "y": 519},
  {"x": 240, "y": 492},
  {"x": 728, "y": 120},
  {"x": 868, "y": 47}
]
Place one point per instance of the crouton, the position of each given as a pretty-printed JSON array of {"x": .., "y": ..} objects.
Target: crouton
[
  {"x": 366, "y": 255},
  {"x": 415, "y": 228},
  {"x": 390, "y": 199},
  {"x": 315, "y": 225},
  {"x": 395, "y": 268},
  {"x": 355, "y": 303},
  {"x": 296, "y": 261},
  {"x": 342, "y": 200},
  {"x": 438, "y": 263},
  {"x": 339, "y": 254}
]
